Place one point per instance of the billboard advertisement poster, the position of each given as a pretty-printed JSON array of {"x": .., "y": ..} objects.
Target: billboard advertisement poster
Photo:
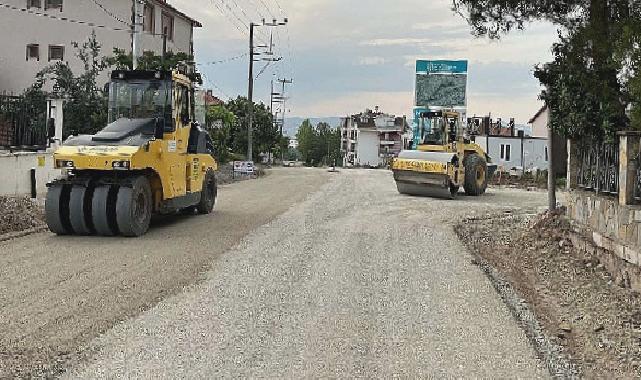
[{"x": 441, "y": 84}]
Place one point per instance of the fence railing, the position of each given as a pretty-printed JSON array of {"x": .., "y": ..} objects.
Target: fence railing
[
  {"x": 23, "y": 126},
  {"x": 598, "y": 167}
]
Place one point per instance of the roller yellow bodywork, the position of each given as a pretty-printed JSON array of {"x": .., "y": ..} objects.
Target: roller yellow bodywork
[{"x": 440, "y": 170}]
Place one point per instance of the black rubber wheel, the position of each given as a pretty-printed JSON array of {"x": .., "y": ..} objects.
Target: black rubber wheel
[
  {"x": 103, "y": 210},
  {"x": 134, "y": 208},
  {"x": 57, "y": 209},
  {"x": 80, "y": 210},
  {"x": 475, "y": 175},
  {"x": 208, "y": 194}
]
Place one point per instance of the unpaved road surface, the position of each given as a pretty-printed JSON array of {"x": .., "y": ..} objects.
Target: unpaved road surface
[
  {"x": 356, "y": 281},
  {"x": 58, "y": 293}
]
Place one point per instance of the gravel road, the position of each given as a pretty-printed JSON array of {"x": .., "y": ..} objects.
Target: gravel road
[
  {"x": 59, "y": 293},
  {"x": 356, "y": 281}
]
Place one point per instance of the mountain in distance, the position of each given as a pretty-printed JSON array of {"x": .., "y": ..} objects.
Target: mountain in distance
[{"x": 293, "y": 123}]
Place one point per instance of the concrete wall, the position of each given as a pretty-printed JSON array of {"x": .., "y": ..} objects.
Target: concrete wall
[
  {"x": 367, "y": 148},
  {"x": 15, "y": 171},
  {"x": 612, "y": 232},
  {"x": 19, "y": 29}
]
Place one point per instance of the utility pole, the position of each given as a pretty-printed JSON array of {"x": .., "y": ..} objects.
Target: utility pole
[
  {"x": 250, "y": 96},
  {"x": 250, "y": 91},
  {"x": 135, "y": 32},
  {"x": 284, "y": 82},
  {"x": 551, "y": 168}
]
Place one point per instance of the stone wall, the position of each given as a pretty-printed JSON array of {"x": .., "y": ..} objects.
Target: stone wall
[{"x": 610, "y": 231}]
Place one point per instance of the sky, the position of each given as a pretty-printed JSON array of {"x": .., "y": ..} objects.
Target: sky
[{"x": 348, "y": 55}]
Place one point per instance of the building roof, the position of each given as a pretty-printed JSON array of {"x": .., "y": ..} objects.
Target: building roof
[
  {"x": 538, "y": 114},
  {"x": 171, "y": 8}
]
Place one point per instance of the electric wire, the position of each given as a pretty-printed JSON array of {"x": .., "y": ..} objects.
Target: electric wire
[
  {"x": 230, "y": 59},
  {"x": 111, "y": 14},
  {"x": 64, "y": 19}
]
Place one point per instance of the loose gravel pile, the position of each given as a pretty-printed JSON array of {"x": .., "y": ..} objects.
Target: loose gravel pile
[
  {"x": 582, "y": 310},
  {"x": 19, "y": 214}
]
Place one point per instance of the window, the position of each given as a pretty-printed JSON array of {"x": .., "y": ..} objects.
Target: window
[
  {"x": 168, "y": 25},
  {"x": 33, "y": 52},
  {"x": 56, "y": 53},
  {"x": 148, "y": 22},
  {"x": 506, "y": 152},
  {"x": 34, "y": 3},
  {"x": 53, "y": 4}
]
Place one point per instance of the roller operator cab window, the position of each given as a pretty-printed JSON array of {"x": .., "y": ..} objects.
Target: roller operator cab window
[
  {"x": 183, "y": 105},
  {"x": 141, "y": 99},
  {"x": 432, "y": 131}
]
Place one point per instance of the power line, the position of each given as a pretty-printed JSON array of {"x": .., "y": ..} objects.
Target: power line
[
  {"x": 233, "y": 22},
  {"x": 211, "y": 83},
  {"x": 65, "y": 19},
  {"x": 111, "y": 14},
  {"x": 224, "y": 60}
]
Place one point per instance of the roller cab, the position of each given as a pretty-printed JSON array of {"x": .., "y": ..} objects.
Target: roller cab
[{"x": 151, "y": 158}]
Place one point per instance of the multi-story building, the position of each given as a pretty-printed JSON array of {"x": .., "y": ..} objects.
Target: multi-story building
[
  {"x": 372, "y": 138},
  {"x": 37, "y": 33}
]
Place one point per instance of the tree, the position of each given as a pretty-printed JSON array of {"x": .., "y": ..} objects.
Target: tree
[
  {"x": 221, "y": 135},
  {"x": 85, "y": 109},
  {"x": 594, "y": 75},
  {"x": 266, "y": 136},
  {"x": 320, "y": 145},
  {"x": 151, "y": 61},
  {"x": 305, "y": 137}
]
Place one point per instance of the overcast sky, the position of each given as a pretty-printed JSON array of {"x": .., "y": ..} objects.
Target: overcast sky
[{"x": 348, "y": 55}]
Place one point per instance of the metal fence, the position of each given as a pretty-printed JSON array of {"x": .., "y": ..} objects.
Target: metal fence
[
  {"x": 598, "y": 167},
  {"x": 23, "y": 124}
]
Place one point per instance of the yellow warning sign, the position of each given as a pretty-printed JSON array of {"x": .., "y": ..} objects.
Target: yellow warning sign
[{"x": 42, "y": 161}]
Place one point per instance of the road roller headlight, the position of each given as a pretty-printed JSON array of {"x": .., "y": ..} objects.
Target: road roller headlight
[
  {"x": 64, "y": 164},
  {"x": 121, "y": 165}
]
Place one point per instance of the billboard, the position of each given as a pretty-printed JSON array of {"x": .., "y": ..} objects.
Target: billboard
[{"x": 441, "y": 84}]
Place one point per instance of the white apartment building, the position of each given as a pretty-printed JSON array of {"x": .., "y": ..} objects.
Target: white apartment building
[
  {"x": 371, "y": 138},
  {"x": 37, "y": 33}
]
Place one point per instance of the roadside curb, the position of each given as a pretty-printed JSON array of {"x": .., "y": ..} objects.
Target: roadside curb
[
  {"x": 552, "y": 355},
  {"x": 19, "y": 234}
]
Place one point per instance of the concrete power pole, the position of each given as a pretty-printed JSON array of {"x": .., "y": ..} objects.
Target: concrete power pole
[
  {"x": 250, "y": 96},
  {"x": 551, "y": 168},
  {"x": 136, "y": 31},
  {"x": 250, "y": 90}
]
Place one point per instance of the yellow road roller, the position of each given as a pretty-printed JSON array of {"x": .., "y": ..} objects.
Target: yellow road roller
[
  {"x": 151, "y": 158},
  {"x": 444, "y": 160}
]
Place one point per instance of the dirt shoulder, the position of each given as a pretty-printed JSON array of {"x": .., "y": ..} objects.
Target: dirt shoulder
[
  {"x": 593, "y": 322},
  {"x": 19, "y": 214},
  {"x": 59, "y": 293}
]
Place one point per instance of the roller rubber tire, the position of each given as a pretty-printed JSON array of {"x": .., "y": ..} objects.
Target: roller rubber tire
[
  {"x": 103, "y": 207},
  {"x": 134, "y": 208},
  {"x": 57, "y": 210},
  {"x": 80, "y": 210},
  {"x": 208, "y": 194},
  {"x": 475, "y": 175}
]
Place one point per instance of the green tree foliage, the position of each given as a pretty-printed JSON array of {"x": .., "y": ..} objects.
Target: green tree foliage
[
  {"x": 594, "y": 77},
  {"x": 265, "y": 137},
  {"x": 151, "y": 61},
  {"x": 85, "y": 109},
  {"x": 320, "y": 145},
  {"x": 221, "y": 134}
]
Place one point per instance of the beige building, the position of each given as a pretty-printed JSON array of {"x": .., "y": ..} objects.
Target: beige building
[{"x": 37, "y": 33}]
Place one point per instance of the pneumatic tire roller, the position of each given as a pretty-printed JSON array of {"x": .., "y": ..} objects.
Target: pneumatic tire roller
[{"x": 152, "y": 158}]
